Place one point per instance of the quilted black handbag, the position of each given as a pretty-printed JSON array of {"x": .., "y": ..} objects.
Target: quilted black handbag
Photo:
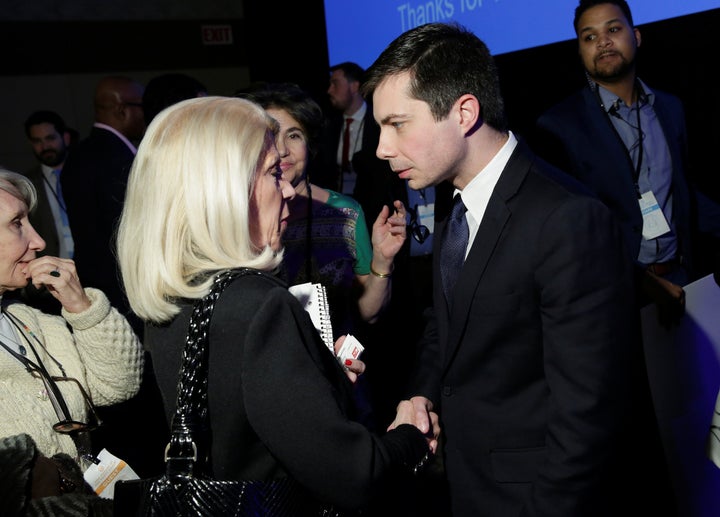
[{"x": 184, "y": 489}]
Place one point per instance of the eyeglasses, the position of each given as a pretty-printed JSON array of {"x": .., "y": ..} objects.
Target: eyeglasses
[
  {"x": 420, "y": 232},
  {"x": 66, "y": 424}
]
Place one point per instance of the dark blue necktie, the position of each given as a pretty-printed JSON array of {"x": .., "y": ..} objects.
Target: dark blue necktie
[{"x": 455, "y": 240}]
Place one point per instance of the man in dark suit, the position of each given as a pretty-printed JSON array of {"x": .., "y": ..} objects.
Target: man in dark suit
[
  {"x": 627, "y": 142},
  {"x": 526, "y": 357},
  {"x": 362, "y": 175},
  {"x": 94, "y": 180}
]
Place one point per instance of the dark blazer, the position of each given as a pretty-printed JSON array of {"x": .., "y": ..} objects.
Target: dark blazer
[
  {"x": 530, "y": 367},
  {"x": 94, "y": 179},
  {"x": 578, "y": 137},
  {"x": 279, "y": 403}
]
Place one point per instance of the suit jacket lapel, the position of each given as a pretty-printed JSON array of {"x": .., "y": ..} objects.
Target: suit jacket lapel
[
  {"x": 490, "y": 231},
  {"x": 607, "y": 138}
]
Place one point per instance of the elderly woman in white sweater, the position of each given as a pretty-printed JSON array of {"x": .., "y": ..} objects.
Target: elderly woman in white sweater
[{"x": 91, "y": 342}]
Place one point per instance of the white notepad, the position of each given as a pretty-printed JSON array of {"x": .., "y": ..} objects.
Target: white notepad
[{"x": 313, "y": 298}]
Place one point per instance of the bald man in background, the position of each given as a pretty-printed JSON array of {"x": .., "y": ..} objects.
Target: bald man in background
[{"x": 94, "y": 179}]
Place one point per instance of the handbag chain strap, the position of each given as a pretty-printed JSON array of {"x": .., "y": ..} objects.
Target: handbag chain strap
[{"x": 190, "y": 421}]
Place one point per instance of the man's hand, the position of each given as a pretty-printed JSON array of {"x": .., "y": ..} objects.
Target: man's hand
[
  {"x": 669, "y": 299},
  {"x": 418, "y": 411}
]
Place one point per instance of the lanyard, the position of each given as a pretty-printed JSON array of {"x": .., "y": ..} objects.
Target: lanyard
[
  {"x": 638, "y": 165},
  {"x": 76, "y": 430},
  {"x": 613, "y": 112},
  {"x": 52, "y": 389}
]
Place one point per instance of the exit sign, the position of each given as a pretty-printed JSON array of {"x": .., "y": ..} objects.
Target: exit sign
[{"x": 216, "y": 34}]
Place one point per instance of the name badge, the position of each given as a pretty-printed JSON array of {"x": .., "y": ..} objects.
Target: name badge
[
  {"x": 426, "y": 216},
  {"x": 103, "y": 476},
  {"x": 654, "y": 222}
]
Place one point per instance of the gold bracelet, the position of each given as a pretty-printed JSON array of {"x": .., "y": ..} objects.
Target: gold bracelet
[{"x": 382, "y": 275}]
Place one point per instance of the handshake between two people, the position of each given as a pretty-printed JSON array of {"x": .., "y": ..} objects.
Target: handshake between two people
[{"x": 417, "y": 411}]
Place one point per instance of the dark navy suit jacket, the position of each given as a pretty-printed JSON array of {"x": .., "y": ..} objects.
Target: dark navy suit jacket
[
  {"x": 578, "y": 137},
  {"x": 530, "y": 367},
  {"x": 94, "y": 180}
]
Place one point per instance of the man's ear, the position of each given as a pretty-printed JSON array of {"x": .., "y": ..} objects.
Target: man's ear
[
  {"x": 638, "y": 36},
  {"x": 354, "y": 86},
  {"x": 469, "y": 112}
]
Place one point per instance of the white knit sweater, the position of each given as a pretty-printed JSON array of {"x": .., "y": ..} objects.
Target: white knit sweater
[{"x": 102, "y": 352}]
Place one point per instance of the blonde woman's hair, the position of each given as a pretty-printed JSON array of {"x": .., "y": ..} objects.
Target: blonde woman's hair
[
  {"x": 19, "y": 187},
  {"x": 186, "y": 212}
]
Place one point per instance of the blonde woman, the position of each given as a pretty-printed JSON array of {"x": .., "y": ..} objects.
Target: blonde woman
[{"x": 205, "y": 195}]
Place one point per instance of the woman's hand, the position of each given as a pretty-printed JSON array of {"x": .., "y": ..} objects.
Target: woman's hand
[
  {"x": 353, "y": 367},
  {"x": 388, "y": 235},
  {"x": 60, "y": 278}
]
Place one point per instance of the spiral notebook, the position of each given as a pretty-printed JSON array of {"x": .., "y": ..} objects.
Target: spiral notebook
[{"x": 313, "y": 298}]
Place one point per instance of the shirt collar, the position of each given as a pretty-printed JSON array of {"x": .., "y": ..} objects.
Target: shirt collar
[
  {"x": 47, "y": 171},
  {"x": 118, "y": 134},
  {"x": 359, "y": 114},
  {"x": 476, "y": 194},
  {"x": 609, "y": 99}
]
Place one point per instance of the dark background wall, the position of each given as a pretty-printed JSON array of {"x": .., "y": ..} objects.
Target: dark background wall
[
  {"x": 274, "y": 40},
  {"x": 290, "y": 37}
]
